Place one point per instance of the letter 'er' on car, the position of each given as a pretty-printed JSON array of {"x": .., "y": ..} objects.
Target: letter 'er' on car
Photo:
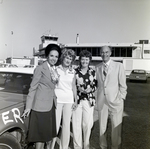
[{"x": 14, "y": 86}]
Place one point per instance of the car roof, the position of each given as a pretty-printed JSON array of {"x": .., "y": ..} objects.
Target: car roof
[{"x": 18, "y": 70}]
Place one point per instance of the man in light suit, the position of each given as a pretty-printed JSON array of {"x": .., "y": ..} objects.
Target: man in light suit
[{"x": 111, "y": 93}]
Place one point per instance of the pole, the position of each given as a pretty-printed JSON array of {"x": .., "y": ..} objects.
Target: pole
[
  {"x": 12, "y": 44},
  {"x": 77, "y": 39},
  {"x": 142, "y": 50},
  {"x": 6, "y": 50}
]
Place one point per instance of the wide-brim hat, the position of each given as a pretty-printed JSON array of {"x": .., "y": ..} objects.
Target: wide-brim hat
[{"x": 51, "y": 47}]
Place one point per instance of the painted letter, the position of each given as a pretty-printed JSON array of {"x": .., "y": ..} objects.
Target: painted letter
[
  {"x": 6, "y": 118},
  {"x": 17, "y": 115}
]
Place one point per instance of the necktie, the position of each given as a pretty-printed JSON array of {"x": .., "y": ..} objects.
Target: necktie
[{"x": 105, "y": 70}]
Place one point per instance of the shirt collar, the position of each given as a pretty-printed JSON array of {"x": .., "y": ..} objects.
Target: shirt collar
[
  {"x": 49, "y": 66},
  {"x": 69, "y": 68},
  {"x": 79, "y": 69},
  {"x": 61, "y": 67},
  {"x": 107, "y": 63}
]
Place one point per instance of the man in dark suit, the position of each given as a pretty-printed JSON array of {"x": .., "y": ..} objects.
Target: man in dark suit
[{"x": 111, "y": 94}]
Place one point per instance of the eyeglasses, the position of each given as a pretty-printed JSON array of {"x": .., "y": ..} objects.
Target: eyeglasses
[{"x": 105, "y": 53}]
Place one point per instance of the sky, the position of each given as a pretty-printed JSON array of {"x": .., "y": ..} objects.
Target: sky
[{"x": 23, "y": 22}]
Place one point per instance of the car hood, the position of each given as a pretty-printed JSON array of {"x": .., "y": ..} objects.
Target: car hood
[{"x": 10, "y": 99}]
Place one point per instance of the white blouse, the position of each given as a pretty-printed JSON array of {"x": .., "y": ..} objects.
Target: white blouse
[{"x": 63, "y": 90}]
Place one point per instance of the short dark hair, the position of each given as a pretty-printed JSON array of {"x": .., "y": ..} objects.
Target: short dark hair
[
  {"x": 51, "y": 47},
  {"x": 85, "y": 53}
]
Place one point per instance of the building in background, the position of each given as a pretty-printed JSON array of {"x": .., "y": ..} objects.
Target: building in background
[
  {"x": 20, "y": 62},
  {"x": 45, "y": 40},
  {"x": 132, "y": 55},
  {"x": 140, "y": 50}
]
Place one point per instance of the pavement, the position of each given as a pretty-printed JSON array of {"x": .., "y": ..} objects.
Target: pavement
[{"x": 136, "y": 120}]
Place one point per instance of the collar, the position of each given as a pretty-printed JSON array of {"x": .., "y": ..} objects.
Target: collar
[
  {"x": 49, "y": 66},
  {"x": 107, "y": 64},
  {"x": 61, "y": 67},
  {"x": 70, "y": 69},
  {"x": 88, "y": 70}
]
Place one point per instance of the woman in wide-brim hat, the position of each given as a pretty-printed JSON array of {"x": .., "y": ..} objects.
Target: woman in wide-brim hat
[{"x": 41, "y": 100}]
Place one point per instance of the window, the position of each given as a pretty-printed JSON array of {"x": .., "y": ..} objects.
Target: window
[
  {"x": 129, "y": 52},
  {"x": 117, "y": 52},
  {"x": 139, "y": 72},
  {"x": 123, "y": 52},
  {"x": 15, "y": 82},
  {"x": 146, "y": 51}
]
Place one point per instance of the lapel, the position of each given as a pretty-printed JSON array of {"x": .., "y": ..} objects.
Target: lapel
[
  {"x": 101, "y": 72},
  {"x": 110, "y": 68},
  {"x": 46, "y": 70}
]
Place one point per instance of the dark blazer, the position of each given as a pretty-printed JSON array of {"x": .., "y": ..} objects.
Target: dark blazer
[{"x": 41, "y": 93}]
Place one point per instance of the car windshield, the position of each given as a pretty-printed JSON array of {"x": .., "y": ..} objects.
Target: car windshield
[
  {"x": 138, "y": 71},
  {"x": 15, "y": 82}
]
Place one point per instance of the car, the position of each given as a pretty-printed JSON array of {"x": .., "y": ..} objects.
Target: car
[
  {"x": 14, "y": 87},
  {"x": 3, "y": 65},
  {"x": 29, "y": 66},
  {"x": 138, "y": 74}
]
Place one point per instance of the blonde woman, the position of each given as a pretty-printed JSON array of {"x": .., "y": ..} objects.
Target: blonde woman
[{"x": 66, "y": 93}]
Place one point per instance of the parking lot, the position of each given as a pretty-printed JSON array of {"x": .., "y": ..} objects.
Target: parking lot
[{"x": 136, "y": 121}]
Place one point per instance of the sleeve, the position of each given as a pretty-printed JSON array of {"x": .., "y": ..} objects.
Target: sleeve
[
  {"x": 33, "y": 86},
  {"x": 122, "y": 82},
  {"x": 74, "y": 87}
]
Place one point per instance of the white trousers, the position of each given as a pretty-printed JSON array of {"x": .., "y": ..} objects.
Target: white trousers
[
  {"x": 64, "y": 111},
  {"x": 82, "y": 117},
  {"x": 116, "y": 122}
]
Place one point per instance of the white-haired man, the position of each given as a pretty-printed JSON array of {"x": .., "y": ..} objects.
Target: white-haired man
[{"x": 111, "y": 93}]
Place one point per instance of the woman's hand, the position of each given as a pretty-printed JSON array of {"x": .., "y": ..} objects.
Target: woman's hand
[
  {"x": 26, "y": 113},
  {"x": 74, "y": 106},
  {"x": 81, "y": 89},
  {"x": 88, "y": 90}
]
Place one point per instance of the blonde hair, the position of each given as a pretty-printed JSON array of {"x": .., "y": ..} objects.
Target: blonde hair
[{"x": 68, "y": 52}]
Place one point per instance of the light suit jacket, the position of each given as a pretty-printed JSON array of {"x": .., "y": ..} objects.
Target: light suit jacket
[
  {"x": 41, "y": 93},
  {"x": 111, "y": 91}
]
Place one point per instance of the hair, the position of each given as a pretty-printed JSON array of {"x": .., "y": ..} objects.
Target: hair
[
  {"x": 51, "y": 47},
  {"x": 68, "y": 52},
  {"x": 84, "y": 53},
  {"x": 107, "y": 47}
]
